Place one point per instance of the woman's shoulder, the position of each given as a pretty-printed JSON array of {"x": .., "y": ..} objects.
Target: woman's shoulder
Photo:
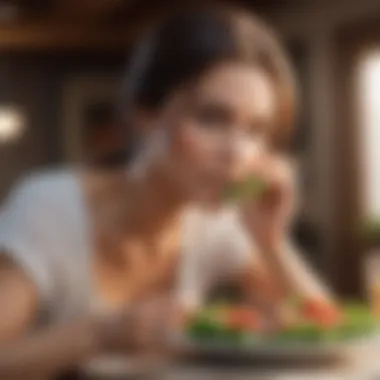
[
  {"x": 43, "y": 201},
  {"x": 55, "y": 186},
  {"x": 49, "y": 179},
  {"x": 43, "y": 231}
]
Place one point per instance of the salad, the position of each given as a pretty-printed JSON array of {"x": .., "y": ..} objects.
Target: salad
[
  {"x": 250, "y": 187},
  {"x": 314, "y": 323}
]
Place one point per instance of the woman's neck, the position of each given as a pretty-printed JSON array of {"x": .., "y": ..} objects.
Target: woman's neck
[{"x": 155, "y": 202}]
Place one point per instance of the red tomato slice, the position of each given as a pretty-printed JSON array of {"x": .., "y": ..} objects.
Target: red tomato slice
[
  {"x": 321, "y": 312},
  {"x": 243, "y": 319}
]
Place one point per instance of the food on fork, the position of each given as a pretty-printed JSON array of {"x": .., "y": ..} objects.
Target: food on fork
[{"x": 249, "y": 188}]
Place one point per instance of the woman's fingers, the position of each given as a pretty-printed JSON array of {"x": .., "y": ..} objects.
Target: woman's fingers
[{"x": 268, "y": 216}]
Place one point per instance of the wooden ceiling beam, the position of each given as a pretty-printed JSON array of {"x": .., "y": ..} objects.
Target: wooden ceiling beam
[
  {"x": 87, "y": 10},
  {"x": 70, "y": 33},
  {"x": 61, "y": 37}
]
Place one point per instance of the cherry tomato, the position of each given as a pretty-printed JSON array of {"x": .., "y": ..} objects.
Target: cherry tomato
[
  {"x": 243, "y": 319},
  {"x": 321, "y": 312}
]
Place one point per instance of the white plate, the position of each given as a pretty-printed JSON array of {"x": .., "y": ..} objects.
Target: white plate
[{"x": 121, "y": 367}]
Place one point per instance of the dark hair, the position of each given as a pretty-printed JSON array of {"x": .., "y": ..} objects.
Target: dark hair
[{"x": 190, "y": 42}]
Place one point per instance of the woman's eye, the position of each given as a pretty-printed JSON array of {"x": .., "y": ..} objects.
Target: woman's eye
[{"x": 212, "y": 117}]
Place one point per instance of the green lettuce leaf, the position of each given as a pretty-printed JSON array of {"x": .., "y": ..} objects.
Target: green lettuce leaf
[{"x": 250, "y": 188}]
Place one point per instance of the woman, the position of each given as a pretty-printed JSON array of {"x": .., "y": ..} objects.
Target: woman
[{"x": 210, "y": 95}]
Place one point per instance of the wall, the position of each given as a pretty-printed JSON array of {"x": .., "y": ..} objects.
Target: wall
[
  {"x": 35, "y": 84},
  {"x": 32, "y": 88},
  {"x": 315, "y": 23}
]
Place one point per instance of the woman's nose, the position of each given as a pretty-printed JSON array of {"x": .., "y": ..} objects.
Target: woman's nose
[
  {"x": 235, "y": 151},
  {"x": 240, "y": 153}
]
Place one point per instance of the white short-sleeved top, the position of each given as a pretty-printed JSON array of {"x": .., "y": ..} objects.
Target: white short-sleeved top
[{"x": 44, "y": 228}]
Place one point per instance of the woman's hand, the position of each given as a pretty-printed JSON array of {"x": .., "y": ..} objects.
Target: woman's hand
[
  {"x": 145, "y": 325},
  {"x": 268, "y": 216}
]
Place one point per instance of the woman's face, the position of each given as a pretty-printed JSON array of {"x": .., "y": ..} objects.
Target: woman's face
[{"x": 215, "y": 130}]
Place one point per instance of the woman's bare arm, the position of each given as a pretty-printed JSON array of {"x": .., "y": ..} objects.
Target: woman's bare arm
[
  {"x": 43, "y": 353},
  {"x": 271, "y": 282},
  {"x": 57, "y": 348},
  {"x": 259, "y": 285},
  {"x": 294, "y": 273},
  {"x": 267, "y": 220}
]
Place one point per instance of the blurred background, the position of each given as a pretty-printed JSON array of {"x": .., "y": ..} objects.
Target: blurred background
[{"x": 61, "y": 69}]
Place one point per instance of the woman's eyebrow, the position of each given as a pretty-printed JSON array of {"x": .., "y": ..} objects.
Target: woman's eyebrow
[
  {"x": 220, "y": 106},
  {"x": 212, "y": 100}
]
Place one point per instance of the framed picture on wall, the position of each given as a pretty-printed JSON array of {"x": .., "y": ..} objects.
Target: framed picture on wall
[{"x": 89, "y": 125}]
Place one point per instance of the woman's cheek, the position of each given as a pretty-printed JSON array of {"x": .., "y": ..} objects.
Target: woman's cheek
[{"x": 189, "y": 144}]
